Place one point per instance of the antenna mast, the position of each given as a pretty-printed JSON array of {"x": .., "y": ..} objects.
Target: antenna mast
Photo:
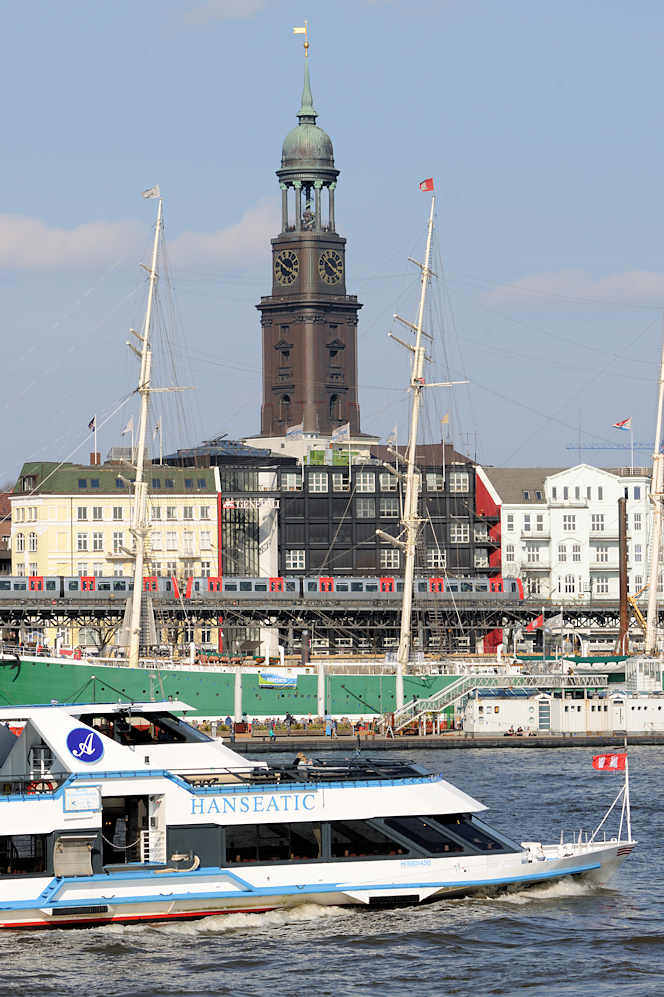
[{"x": 656, "y": 497}]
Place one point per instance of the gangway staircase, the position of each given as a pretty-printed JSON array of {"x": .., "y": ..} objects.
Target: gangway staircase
[{"x": 466, "y": 685}]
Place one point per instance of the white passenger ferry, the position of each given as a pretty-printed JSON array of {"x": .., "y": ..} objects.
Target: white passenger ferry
[{"x": 124, "y": 812}]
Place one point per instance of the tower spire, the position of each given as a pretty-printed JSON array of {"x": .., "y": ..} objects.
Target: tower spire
[{"x": 307, "y": 112}]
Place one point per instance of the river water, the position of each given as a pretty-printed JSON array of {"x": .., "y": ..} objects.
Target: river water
[{"x": 557, "y": 941}]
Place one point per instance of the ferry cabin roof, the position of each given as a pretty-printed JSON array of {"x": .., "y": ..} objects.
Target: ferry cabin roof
[{"x": 171, "y": 774}]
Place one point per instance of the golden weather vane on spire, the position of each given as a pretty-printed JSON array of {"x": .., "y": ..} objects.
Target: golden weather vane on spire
[{"x": 303, "y": 31}]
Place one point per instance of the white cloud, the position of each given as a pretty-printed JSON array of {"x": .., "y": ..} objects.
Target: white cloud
[
  {"x": 224, "y": 10},
  {"x": 30, "y": 244},
  {"x": 631, "y": 288},
  {"x": 238, "y": 244}
]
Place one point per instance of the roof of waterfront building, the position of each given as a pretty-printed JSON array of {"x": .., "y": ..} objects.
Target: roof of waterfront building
[
  {"x": 520, "y": 485},
  {"x": 55, "y": 478}
]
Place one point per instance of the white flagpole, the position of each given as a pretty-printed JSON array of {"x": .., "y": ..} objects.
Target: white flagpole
[
  {"x": 161, "y": 447},
  {"x": 631, "y": 441},
  {"x": 95, "y": 449}
]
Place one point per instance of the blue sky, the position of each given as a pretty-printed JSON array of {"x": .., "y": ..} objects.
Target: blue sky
[{"x": 541, "y": 124}]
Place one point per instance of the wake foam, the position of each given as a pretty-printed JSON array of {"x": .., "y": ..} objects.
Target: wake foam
[{"x": 560, "y": 889}]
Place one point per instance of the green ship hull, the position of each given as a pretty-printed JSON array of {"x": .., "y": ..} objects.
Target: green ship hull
[{"x": 210, "y": 691}]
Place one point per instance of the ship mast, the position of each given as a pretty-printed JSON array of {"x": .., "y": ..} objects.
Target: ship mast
[
  {"x": 139, "y": 526},
  {"x": 656, "y": 497},
  {"x": 410, "y": 518}
]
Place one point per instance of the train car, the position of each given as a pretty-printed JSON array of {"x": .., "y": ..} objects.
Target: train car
[
  {"x": 31, "y": 587},
  {"x": 324, "y": 588},
  {"x": 496, "y": 589},
  {"x": 237, "y": 589}
]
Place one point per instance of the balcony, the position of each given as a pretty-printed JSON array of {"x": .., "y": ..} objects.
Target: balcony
[
  {"x": 544, "y": 534},
  {"x": 612, "y": 565}
]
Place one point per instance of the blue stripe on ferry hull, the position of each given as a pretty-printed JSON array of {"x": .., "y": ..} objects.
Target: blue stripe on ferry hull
[{"x": 286, "y": 891}]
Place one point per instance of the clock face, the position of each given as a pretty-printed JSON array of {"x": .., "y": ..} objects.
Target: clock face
[
  {"x": 331, "y": 266},
  {"x": 286, "y": 266}
]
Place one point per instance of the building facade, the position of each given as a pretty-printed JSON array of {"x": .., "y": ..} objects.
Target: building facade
[{"x": 559, "y": 529}]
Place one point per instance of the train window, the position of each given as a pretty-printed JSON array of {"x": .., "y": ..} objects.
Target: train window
[
  {"x": 50, "y": 586},
  {"x": 197, "y": 586},
  {"x": 290, "y": 586},
  {"x": 342, "y": 586},
  {"x": 466, "y": 586},
  {"x": 5, "y": 586},
  {"x": 73, "y": 586},
  {"x": 260, "y": 587},
  {"x": 230, "y": 587},
  {"x": 169, "y": 585},
  {"x": 312, "y": 587},
  {"x": 102, "y": 586},
  {"x": 400, "y": 587},
  {"x": 119, "y": 587},
  {"x": 371, "y": 587},
  {"x": 421, "y": 587},
  {"x": 19, "y": 586},
  {"x": 452, "y": 587},
  {"x": 481, "y": 587},
  {"x": 245, "y": 586},
  {"x": 357, "y": 586}
]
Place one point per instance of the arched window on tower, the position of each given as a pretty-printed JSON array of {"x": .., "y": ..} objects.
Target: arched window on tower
[
  {"x": 285, "y": 409},
  {"x": 335, "y": 408}
]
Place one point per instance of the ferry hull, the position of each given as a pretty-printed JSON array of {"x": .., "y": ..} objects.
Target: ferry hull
[{"x": 80, "y": 902}]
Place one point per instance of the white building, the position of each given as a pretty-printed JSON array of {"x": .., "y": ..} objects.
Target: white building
[{"x": 559, "y": 529}]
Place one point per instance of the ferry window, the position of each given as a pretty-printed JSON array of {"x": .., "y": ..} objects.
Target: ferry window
[
  {"x": 469, "y": 831},
  {"x": 22, "y": 854},
  {"x": 424, "y": 833},
  {"x": 272, "y": 842},
  {"x": 351, "y": 839},
  {"x": 143, "y": 729}
]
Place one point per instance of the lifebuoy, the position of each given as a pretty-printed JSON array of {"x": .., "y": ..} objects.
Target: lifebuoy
[{"x": 39, "y": 786}]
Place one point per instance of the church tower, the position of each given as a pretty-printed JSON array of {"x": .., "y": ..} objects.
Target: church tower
[{"x": 309, "y": 323}]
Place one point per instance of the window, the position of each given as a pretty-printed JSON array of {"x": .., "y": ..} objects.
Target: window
[
  {"x": 119, "y": 483},
  {"x": 202, "y": 483},
  {"x": 188, "y": 541},
  {"x": 82, "y": 482},
  {"x": 637, "y": 522},
  {"x": 291, "y": 481},
  {"x": 435, "y": 482},
  {"x": 539, "y": 522},
  {"x": 32, "y": 542},
  {"x": 171, "y": 540},
  {"x": 388, "y": 482},
  {"x": 638, "y": 552},
  {"x": 206, "y": 569},
  {"x": 205, "y": 540},
  {"x": 589, "y": 492},
  {"x": 155, "y": 513},
  {"x": 365, "y": 508},
  {"x": 117, "y": 512},
  {"x": 171, "y": 512},
  {"x": 577, "y": 493},
  {"x": 295, "y": 560},
  {"x": 118, "y": 542},
  {"x": 23, "y": 854},
  {"x": 637, "y": 491},
  {"x": 562, "y": 553},
  {"x": 526, "y": 523},
  {"x": 205, "y": 512},
  {"x": 509, "y": 552},
  {"x": 81, "y": 541},
  {"x": 94, "y": 483},
  {"x": 156, "y": 483},
  {"x": 534, "y": 586},
  {"x": 20, "y": 570},
  {"x": 155, "y": 540},
  {"x": 459, "y": 533},
  {"x": 597, "y": 522},
  {"x": 188, "y": 512},
  {"x": 170, "y": 483},
  {"x": 459, "y": 481},
  {"x": 97, "y": 513},
  {"x": 602, "y": 555},
  {"x": 82, "y": 513},
  {"x": 602, "y": 585},
  {"x": 533, "y": 553},
  {"x": 19, "y": 543},
  {"x": 365, "y": 481},
  {"x": 424, "y": 833},
  {"x": 389, "y": 507},
  {"x": 569, "y": 523},
  {"x": 318, "y": 481},
  {"x": 576, "y": 552},
  {"x": 272, "y": 842},
  {"x": 351, "y": 839},
  {"x": 554, "y": 493},
  {"x": 509, "y": 522},
  {"x": 570, "y": 584},
  {"x": 388, "y": 558},
  {"x": 82, "y": 569},
  {"x": 98, "y": 569},
  {"x": 638, "y": 582},
  {"x": 340, "y": 482},
  {"x": 435, "y": 557},
  {"x": 526, "y": 496},
  {"x": 188, "y": 482},
  {"x": 600, "y": 494},
  {"x": 118, "y": 572},
  {"x": 565, "y": 493}
]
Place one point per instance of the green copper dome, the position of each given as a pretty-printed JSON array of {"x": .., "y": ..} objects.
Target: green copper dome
[{"x": 307, "y": 145}]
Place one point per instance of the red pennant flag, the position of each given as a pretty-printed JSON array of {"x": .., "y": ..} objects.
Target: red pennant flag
[
  {"x": 427, "y": 184},
  {"x": 537, "y": 622},
  {"x": 610, "y": 763}
]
